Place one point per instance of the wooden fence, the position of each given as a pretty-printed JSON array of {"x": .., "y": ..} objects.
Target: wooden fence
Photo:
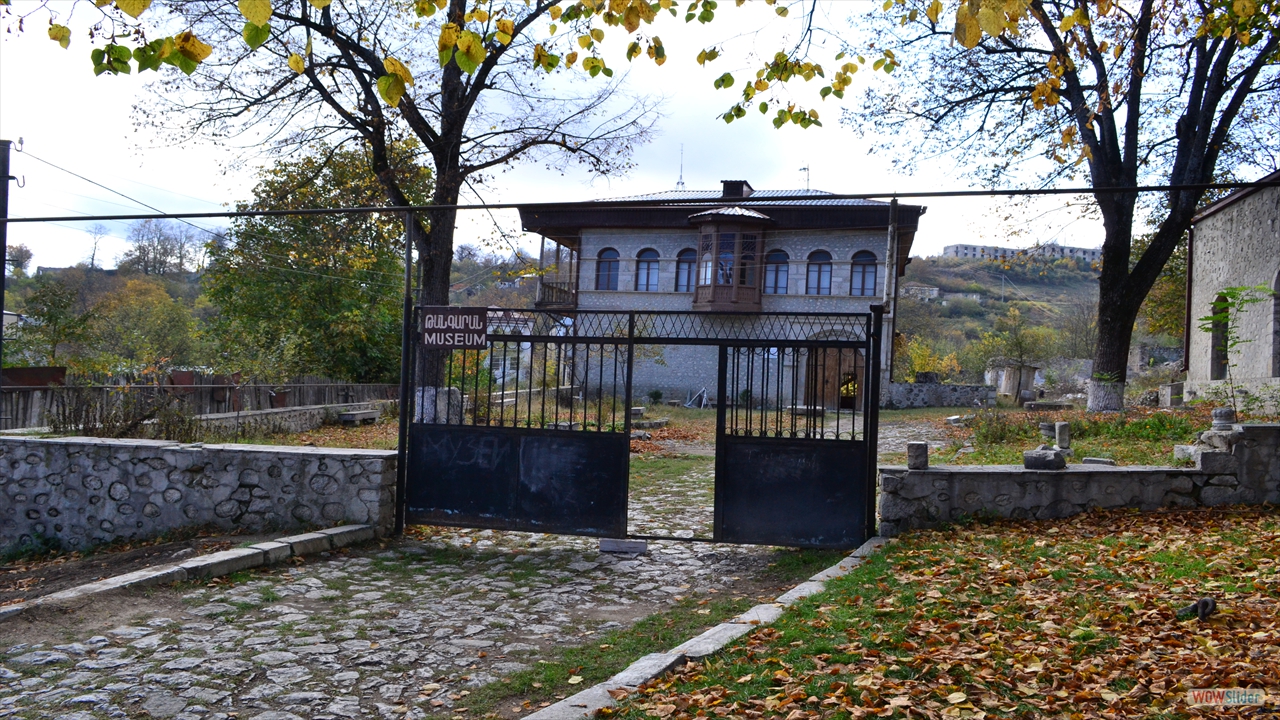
[{"x": 28, "y": 406}]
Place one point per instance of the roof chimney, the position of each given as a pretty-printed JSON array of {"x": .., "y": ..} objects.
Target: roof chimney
[{"x": 736, "y": 188}]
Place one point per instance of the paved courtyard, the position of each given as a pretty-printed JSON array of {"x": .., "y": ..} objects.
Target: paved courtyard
[{"x": 405, "y": 629}]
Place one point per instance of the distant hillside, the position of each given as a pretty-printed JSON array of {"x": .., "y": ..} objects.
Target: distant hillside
[
  {"x": 1059, "y": 297},
  {"x": 1057, "y": 282}
]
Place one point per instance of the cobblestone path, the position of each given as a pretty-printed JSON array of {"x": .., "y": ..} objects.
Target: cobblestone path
[{"x": 397, "y": 631}]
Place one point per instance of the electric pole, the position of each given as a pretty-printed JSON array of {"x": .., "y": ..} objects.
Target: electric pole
[{"x": 5, "y": 177}]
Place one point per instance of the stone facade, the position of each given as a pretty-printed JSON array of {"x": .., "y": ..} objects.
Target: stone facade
[
  {"x": 1248, "y": 474},
  {"x": 87, "y": 491},
  {"x": 841, "y": 244},
  {"x": 1236, "y": 243},
  {"x": 679, "y": 371}
]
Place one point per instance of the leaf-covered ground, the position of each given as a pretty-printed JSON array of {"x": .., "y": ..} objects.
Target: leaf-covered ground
[{"x": 1074, "y": 618}]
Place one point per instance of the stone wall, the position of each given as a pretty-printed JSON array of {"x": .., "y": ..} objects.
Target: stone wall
[
  {"x": 913, "y": 395},
  {"x": 1248, "y": 474},
  {"x": 1235, "y": 246},
  {"x": 87, "y": 491},
  {"x": 280, "y": 420}
]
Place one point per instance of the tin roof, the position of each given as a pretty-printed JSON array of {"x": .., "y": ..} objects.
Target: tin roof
[{"x": 758, "y": 197}]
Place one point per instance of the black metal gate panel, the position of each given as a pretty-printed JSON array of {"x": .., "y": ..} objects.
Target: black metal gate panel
[
  {"x": 520, "y": 479},
  {"x": 531, "y": 429},
  {"x": 791, "y": 465},
  {"x": 529, "y": 432}
]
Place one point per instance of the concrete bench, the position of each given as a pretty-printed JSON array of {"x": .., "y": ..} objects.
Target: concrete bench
[{"x": 358, "y": 417}]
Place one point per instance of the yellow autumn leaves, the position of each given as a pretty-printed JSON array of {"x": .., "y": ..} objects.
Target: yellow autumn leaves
[
  {"x": 393, "y": 85},
  {"x": 975, "y": 17}
]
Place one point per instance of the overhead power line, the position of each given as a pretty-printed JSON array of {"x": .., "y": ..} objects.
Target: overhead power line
[{"x": 655, "y": 204}]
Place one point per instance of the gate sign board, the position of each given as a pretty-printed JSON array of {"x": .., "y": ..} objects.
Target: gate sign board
[{"x": 455, "y": 328}]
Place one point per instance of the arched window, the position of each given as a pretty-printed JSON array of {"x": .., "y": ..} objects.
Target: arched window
[
  {"x": 862, "y": 281},
  {"x": 685, "y": 260},
  {"x": 1218, "y": 339},
  {"x": 647, "y": 270},
  {"x": 607, "y": 269},
  {"x": 776, "y": 271},
  {"x": 818, "y": 281}
]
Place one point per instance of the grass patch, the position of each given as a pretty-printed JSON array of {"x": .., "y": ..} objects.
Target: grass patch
[
  {"x": 980, "y": 619},
  {"x": 655, "y": 472},
  {"x": 611, "y": 652},
  {"x": 1135, "y": 437},
  {"x": 603, "y": 657}
]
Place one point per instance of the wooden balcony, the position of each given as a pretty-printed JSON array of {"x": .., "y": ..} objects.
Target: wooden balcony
[
  {"x": 553, "y": 295},
  {"x": 727, "y": 298}
]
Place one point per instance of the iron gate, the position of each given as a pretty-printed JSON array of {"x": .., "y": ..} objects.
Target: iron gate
[{"x": 532, "y": 432}]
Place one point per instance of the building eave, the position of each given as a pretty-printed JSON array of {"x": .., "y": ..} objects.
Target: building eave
[{"x": 1235, "y": 197}]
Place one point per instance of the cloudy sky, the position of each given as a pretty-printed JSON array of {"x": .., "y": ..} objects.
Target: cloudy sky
[{"x": 83, "y": 124}]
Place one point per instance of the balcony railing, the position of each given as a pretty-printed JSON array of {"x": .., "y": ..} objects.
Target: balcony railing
[{"x": 556, "y": 295}]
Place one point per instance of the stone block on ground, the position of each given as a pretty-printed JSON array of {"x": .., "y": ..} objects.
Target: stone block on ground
[
  {"x": 345, "y": 535},
  {"x": 274, "y": 551},
  {"x": 917, "y": 456},
  {"x": 308, "y": 543},
  {"x": 803, "y": 590},
  {"x": 1184, "y": 452},
  {"x": 869, "y": 547},
  {"x": 623, "y": 546},
  {"x": 1098, "y": 461},
  {"x": 760, "y": 615},
  {"x": 643, "y": 670},
  {"x": 358, "y": 417},
  {"x": 838, "y": 570},
  {"x": 9, "y": 611},
  {"x": 223, "y": 563},
  {"x": 1215, "y": 462},
  {"x": 1043, "y": 460},
  {"x": 1062, "y": 435},
  {"x": 149, "y": 577},
  {"x": 711, "y": 641},
  {"x": 583, "y": 705}
]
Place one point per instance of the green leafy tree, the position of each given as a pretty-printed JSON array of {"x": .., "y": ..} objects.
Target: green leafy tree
[
  {"x": 1165, "y": 308},
  {"x": 1120, "y": 94},
  {"x": 1223, "y": 325},
  {"x": 318, "y": 293},
  {"x": 139, "y": 327},
  {"x": 54, "y": 327},
  {"x": 18, "y": 259}
]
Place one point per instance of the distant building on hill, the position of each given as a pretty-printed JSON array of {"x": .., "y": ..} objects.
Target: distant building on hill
[
  {"x": 924, "y": 293},
  {"x": 1048, "y": 250}
]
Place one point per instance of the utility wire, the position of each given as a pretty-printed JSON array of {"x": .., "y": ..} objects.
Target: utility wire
[
  {"x": 214, "y": 234},
  {"x": 661, "y": 203}
]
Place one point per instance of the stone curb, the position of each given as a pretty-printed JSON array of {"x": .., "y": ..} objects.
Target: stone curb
[
  {"x": 215, "y": 564},
  {"x": 586, "y": 703}
]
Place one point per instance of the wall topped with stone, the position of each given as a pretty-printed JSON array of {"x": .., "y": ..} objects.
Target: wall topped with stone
[
  {"x": 1248, "y": 474},
  {"x": 920, "y": 394},
  {"x": 87, "y": 491}
]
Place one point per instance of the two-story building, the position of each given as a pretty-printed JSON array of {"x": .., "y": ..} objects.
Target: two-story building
[{"x": 733, "y": 250}]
